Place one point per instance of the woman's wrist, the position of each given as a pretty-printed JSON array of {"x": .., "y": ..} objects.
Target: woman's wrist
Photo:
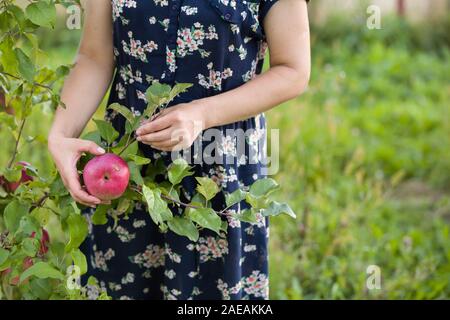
[{"x": 206, "y": 112}]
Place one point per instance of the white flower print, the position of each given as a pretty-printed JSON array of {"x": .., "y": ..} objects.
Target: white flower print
[
  {"x": 152, "y": 20},
  {"x": 170, "y": 295},
  {"x": 100, "y": 259},
  {"x": 190, "y": 11},
  {"x": 114, "y": 286},
  {"x": 117, "y": 8},
  {"x": 249, "y": 248},
  {"x": 174, "y": 257},
  {"x": 121, "y": 91},
  {"x": 162, "y": 3},
  {"x": 191, "y": 39},
  {"x": 227, "y": 146},
  {"x": 215, "y": 78},
  {"x": 257, "y": 284},
  {"x": 165, "y": 24},
  {"x": 136, "y": 49},
  {"x": 129, "y": 278},
  {"x": 170, "y": 59},
  {"x": 251, "y": 74},
  {"x": 210, "y": 248},
  {"x": 233, "y": 222},
  {"x": 127, "y": 75},
  {"x": 152, "y": 257},
  {"x": 139, "y": 224},
  {"x": 170, "y": 273},
  {"x": 123, "y": 234}
]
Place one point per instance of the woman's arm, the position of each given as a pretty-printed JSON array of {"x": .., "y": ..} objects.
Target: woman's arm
[
  {"x": 83, "y": 91},
  {"x": 287, "y": 31}
]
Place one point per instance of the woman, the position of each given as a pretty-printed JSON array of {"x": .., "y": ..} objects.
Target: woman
[{"x": 218, "y": 46}]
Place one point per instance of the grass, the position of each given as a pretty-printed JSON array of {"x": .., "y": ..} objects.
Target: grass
[{"x": 364, "y": 163}]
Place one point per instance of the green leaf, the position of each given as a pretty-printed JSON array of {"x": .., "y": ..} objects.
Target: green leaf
[
  {"x": 99, "y": 217},
  {"x": 41, "y": 270},
  {"x": 124, "y": 111},
  {"x": 207, "y": 187},
  {"x": 42, "y": 13},
  {"x": 184, "y": 227},
  {"x": 178, "y": 89},
  {"x": 257, "y": 203},
  {"x": 247, "y": 215},
  {"x": 157, "y": 91},
  {"x": 13, "y": 213},
  {"x": 4, "y": 254},
  {"x": 135, "y": 173},
  {"x": 263, "y": 187},
  {"x": 124, "y": 205},
  {"x": 235, "y": 197},
  {"x": 78, "y": 230},
  {"x": 8, "y": 59},
  {"x": 131, "y": 149},
  {"x": 157, "y": 207},
  {"x": 276, "y": 208},
  {"x": 93, "y": 136},
  {"x": 30, "y": 246},
  {"x": 138, "y": 160},
  {"x": 178, "y": 170},
  {"x": 107, "y": 131},
  {"x": 79, "y": 260},
  {"x": 206, "y": 218},
  {"x": 26, "y": 67},
  {"x": 13, "y": 174}
]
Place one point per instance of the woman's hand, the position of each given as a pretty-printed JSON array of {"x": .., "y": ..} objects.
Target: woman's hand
[
  {"x": 66, "y": 152},
  {"x": 174, "y": 128}
]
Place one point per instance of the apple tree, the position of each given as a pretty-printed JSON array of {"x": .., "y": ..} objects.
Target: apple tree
[{"x": 36, "y": 261}]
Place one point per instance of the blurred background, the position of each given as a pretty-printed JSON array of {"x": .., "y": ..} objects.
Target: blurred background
[{"x": 365, "y": 154}]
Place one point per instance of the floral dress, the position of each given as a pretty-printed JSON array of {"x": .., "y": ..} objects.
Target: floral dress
[{"x": 217, "y": 45}]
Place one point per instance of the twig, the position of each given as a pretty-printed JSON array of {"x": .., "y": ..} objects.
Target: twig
[
  {"x": 38, "y": 84},
  {"x": 16, "y": 146}
]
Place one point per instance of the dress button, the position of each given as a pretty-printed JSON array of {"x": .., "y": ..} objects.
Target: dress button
[
  {"x": 227, "y": 16},
  {"x": 174, "y": 7}
]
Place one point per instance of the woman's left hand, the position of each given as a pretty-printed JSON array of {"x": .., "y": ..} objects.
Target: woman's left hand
[{"x": 174, "y": 128}]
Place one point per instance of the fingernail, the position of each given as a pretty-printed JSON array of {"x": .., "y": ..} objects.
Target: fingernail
[
  {"x": 138, "y": 138},
  {"x": 101, "y": 150}
]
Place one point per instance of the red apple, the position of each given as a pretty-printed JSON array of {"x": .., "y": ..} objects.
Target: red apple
[
  {"x": 43, "y": 248},
  {"x": 106, "y": 177},
  {"x": 12, "y": 186}
]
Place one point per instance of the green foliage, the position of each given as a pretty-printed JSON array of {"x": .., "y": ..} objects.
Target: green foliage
[
  {"x": 365, "y": 165},
  {"x": 32, "y": 266}
]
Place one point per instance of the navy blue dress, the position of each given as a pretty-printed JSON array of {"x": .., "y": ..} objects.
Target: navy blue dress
[{"x": 217, "y": 45}]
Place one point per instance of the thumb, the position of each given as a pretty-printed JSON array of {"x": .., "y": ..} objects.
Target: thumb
[{"x": 91, "y": 147}]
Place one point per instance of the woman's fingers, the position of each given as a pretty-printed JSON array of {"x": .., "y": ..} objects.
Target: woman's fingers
[
  {"x": 160, "y": 123},
  {"x": 77, "y": 192},
  {"x": 91, "y": 147},
  {"x": 158, "y": 136}
]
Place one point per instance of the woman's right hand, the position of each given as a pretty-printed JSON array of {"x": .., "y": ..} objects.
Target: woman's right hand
[{"x": 66, "y": 152}]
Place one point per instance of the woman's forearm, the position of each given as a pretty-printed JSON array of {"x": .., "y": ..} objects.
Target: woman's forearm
[
  {"x": 83, "y": 91},
  {"x": 277, "y": 85}
]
